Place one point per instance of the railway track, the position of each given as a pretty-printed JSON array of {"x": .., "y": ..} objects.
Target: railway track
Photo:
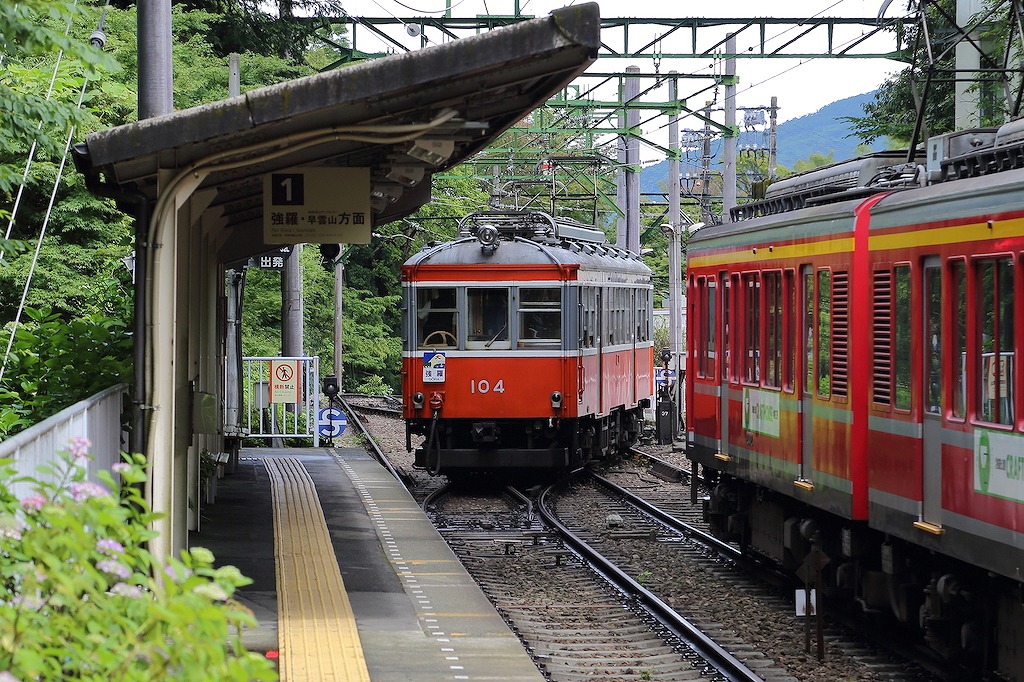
[
  {"x": 580, "y": 627},
  {"x": 577, "y": 615}
]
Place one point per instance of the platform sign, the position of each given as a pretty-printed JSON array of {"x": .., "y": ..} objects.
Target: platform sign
[
  {"x": 284, "y": 381},
  {"x": 317, "y": 205},
  {"x": 331, "y": 422},
  {"x": 433, "y": 367}
]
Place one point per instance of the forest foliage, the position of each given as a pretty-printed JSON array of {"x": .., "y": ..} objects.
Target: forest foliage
[{"x": 78, "y": 273}]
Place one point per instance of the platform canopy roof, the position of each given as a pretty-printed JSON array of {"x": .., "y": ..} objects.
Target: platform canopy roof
[{"x": 405, "y": 117}]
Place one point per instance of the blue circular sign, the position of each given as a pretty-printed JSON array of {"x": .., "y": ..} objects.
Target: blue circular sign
[{"x": 331, "y": 422}]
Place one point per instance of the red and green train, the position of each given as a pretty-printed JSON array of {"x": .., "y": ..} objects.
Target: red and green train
[{"x": 853, "y": 382}]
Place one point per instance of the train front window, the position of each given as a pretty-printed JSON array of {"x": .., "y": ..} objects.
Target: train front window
[
  {"x": 487, "y": 324},
  {"x": 540, "y": 316},
  {"x": 437, "y": 317}
]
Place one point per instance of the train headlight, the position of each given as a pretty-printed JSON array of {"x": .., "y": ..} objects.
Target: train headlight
[
  {"x": 488, "y": 237},
  {"x": 556, "y": 400},
  {"x": 418, "y": 399}
]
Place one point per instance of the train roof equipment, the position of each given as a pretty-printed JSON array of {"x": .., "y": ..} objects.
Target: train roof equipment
[{"x": 946, "y": 158}]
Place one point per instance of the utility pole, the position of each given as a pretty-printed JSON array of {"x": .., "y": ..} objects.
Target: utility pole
[
  {"x": 632, "y": 163},
  {"x": 705, "y": 170},
  {"x": 729, "y": 149},
  {"x": 339, "y": 278},
  {"x": 773, "y": 143},
  {"x": 156, "y": 91},
  {"x": 291, "y": 304},
  {"x": 235, "y": 280},
  {"x": 674, "y": 228}
]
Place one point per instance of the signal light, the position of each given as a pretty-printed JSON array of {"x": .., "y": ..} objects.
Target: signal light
[{"x": 330, "y": 253}]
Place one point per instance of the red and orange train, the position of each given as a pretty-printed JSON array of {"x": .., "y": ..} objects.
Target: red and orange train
[
  {"x": 527, "y": 346},
  {"x": 853, "y": 381}
]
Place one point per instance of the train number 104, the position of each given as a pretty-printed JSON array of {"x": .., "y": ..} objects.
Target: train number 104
[{"x": 485, "y": 386}]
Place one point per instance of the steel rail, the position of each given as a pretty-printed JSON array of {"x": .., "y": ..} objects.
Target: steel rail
[
  {"x": 377, "y": 453},
  {"x": 725, "y": 663}
]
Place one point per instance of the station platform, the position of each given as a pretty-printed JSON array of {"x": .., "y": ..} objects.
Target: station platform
[{"x": 350, "y": 579}]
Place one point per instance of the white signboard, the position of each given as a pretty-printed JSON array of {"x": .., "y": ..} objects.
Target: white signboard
[
  {"x": 284, "y": 381},
  {"x": 999, "y": 464},
  {"x": 317, "y": 205},
  {"x": 761, "y": 412},
  {"x": 433, "y": 367}
]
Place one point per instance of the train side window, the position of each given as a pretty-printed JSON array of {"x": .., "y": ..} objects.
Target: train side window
[
  {"x": 808, "y": 331},
  {"x": 789, "y": 314},
  {"x": 824, "y": 320},
  {"x": 731, "y": 284},
  {"x": 437, "y": 317},
  {"x": 933, "y": 337},
  {"x": 772, "y": 284},
  {"x": 751, "y": 328},
  {"x": 994, "y": 366},
  {"x": 487, "y": 317},
  {"x": 704, "y": 326},
  {"x": 958, "y": 287},
  {"x": 901, "y": 334},
  {"x": 540, "y": 316}
]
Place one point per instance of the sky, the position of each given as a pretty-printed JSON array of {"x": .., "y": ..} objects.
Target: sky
[{"x": 801, "y": 86}]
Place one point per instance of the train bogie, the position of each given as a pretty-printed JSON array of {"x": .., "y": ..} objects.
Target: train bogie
[
  {"x": 855, "y": 372},
  {"x": 527, "y": 345}
]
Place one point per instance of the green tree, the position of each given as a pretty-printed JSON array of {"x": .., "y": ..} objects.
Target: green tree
[{"x": 929, "y": 80}]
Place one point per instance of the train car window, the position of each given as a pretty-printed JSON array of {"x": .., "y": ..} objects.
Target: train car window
[
  {"x": 958, "y": 276},
  {"x": 824, "y": 320},
  {"x": 773, "y": 329},
  {"x": 840, "y": 333},
  {"x": 808, "y": 332},
  {"x": 704, "y": 324},
  {"x": 788, "y": 328},
  {"x": 901, "y": 333},
  {"x": 487, "y": 318},
  {"x": 751, "y": 328},
  {"x": 994, "y": 369},
  {"x": 711, "y": 320},
  {"x": 437, "y": 317},
  {"x": 540, "y": 316},
  {"x": 731, "y": 284},
  {"x": 933, "y": 337}
]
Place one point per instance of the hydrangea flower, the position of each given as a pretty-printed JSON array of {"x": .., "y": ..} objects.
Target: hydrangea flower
[
  {"x": 109, "y": 547},
  {"x": 79, "y": 447},
  {"x": 32, "y": 503}
]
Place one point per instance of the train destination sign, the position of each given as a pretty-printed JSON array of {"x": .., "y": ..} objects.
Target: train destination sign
[{"x": 317, "y": 205}]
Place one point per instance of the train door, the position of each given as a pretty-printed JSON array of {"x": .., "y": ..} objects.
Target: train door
[
  {"x": 931, "y": 488},
  {"x": 807, "y": 380}
]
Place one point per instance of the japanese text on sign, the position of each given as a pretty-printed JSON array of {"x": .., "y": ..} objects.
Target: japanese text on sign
[
  {"x": 317, "y": 205},
  {"x": 284, "y": 381}
]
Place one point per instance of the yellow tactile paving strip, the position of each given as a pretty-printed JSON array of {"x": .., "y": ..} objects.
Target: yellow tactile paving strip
[{"x": 316, "y": 626}]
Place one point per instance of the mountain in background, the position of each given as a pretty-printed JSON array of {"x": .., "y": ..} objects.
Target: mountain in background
[{"x": 822, "y": 132}]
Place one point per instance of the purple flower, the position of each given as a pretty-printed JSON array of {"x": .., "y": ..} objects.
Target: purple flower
[
  {"x": 120, "y": 467},
  {"x": 123, "y": 590},
  {"x": 177, "y": 575},
  {"x": 79, "y": 447},
  {"x": 109, "y": 547},
  {"x": 114, "y": 568},
  {"x": 83, "y": 490},
  {"x": 33, "y": 503}
]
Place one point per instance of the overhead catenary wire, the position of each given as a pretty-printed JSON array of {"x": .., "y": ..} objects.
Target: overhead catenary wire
[{"x": 96, "y": 39}]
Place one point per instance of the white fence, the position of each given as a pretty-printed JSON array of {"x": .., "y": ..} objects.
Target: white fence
[
  {"x": 281, "y": 397},
  {"x": 97, "y": 418}
]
